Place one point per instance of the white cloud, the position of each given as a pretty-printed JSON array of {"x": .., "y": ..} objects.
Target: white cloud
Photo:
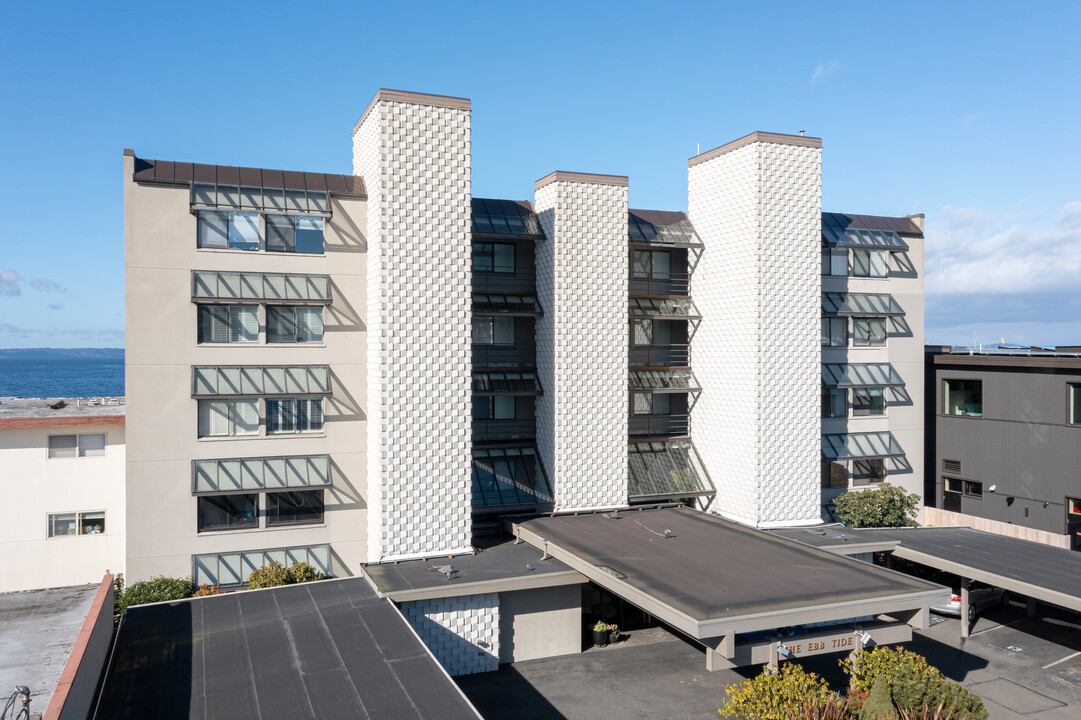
[
  {"x": 971, "y": 251},
  {"x": 45, "y": 285},
  {"x": 824, "y": 70},
  {"x": 9, "y": 282},
  {"x": 56, "y": 306}
]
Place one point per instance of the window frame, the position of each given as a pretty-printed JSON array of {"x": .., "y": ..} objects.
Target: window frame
[
  {"x": 230, "y": 331},
  {"x": 201, "y": 500},
  {"x": 232, "y": 418},
  {"x": 78, "y": 519},
  {"x": 857, "y": 322},
  {"x": 491, "y": 320},
  {"x": 829, "y": 395},
  {"x": 857, "y": 408},
  {"x": 945, "y": 406},
  {"x": 1073, "y": 405},
  {"x": 492, "y": 266},
  {"x": 202, "y": 218},
  {"x": 973, "y": 489},
  {"x": 277, "y": 494},
  {"x": 292, "y": 221},
  {"x": 77, "y": 447},
  {"x": 829, "y": 322},
  {"x": 294, "y": 415},
  {"x": 959, "y": 483},
  {"x": 870, "y": 475},
  {"x": 278, "y": 309}
]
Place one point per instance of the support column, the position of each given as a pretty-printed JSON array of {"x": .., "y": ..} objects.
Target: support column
[
  {"x": 414, "y": 154},
  {"x": 966, "y": 626},
  {"x": 582, "y": 343},
  {"x": 756, "y": 203}
]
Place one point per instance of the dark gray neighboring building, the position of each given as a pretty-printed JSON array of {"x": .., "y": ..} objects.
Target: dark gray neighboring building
[{"x": 1004, "y": 440}]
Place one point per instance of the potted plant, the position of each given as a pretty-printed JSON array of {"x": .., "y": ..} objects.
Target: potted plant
[
  {"x": 600, "y": 633},
  {"x": 614, "y": 632}
]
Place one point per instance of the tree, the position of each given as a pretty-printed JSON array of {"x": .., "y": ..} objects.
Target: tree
[{"x": 885, "y": 506}]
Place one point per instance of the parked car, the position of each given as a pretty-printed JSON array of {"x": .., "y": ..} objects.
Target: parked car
[{"x": 980, "y": 598}]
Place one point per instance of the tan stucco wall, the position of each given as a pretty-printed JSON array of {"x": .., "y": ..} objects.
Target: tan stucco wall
[
  {"x": 540, "y": 623},
  {"x": 161, "y": 321},
  {"x": 34, "y": 485}
]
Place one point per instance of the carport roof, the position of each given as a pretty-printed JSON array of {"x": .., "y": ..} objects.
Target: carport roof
[
  {"x": 712, "y": 577},
  {"x": 329, "y": 649},
  {"x": 1039, "y": 571}
]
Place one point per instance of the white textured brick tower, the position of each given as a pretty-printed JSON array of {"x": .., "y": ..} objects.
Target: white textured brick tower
[
  {"x": 582, "y": 272},
  {"x": 756, "y": 202},
  {"x": 413, "y": 151}
]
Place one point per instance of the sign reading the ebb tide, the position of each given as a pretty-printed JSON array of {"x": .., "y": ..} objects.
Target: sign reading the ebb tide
[{"x": 819, "y": 644}]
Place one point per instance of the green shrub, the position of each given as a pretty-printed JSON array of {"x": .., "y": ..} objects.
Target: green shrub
[
  {"x": 301, "y": 572},
  {"x": 274, "y": 574},
  {"x": 156, "y": 589},
  {"x": 914, "y": 686},
  {"x": 879, "y": 705},
  {"x": 883, "y": 660},
  {"x": 777, "y": 694},
  {"x": 885, "y": 506}
]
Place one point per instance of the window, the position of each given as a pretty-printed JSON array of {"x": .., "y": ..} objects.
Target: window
[
  {"x": 652, "y": 404},
  {"x": 834, "y": 261},
  {"x": 1074, "y": 405},
  {"x": 834, "y": 403},
  {"x": 294, "y": 508},
  {"x": 294, "y": 415},
  {"x": 868, "y": 401},
  {"x": 1073, "y": 510},
  {"x": 228, "y": 512},
  {"x": 294, "y": 234},
  {"x": 493, "y": 407},
  {"x": 869, "y": 263},
  {"x": 232, "y": 230},
  {"x": 834, "y": 474},
  {"x": 951, "y": 494},
  {"x": 493, "y": 331},
  {"x": 952, "y": 485},
  {"x": 64, "y": 446},
  {"x": 651, "y": 332},
  {"x": 834, "y": 332},
  {"x": 222, "y": 418},
  {"x": 493, "y": 257},
  {"x": 291, "y": 324},
  {"x": 865, "y": 472},
  {"x": 643, "y": 332},
  {"x": 973, "y": 489},
  {"x": 963, "y": 397},
  {"x": 868, "y": 332},
  {"x": 656, "y": 264},
  {"x": 228, "y": 323},
  {"x": 84, "y": 523}
]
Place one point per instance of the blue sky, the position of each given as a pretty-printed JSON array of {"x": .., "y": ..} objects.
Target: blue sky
[{"x": 967, "y": 112}]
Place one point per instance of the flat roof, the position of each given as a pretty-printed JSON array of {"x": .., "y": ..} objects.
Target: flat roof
[
  {"x": 20, "y": 412},
  {"x": 38, "y": 629},
  {"x": 185, "y": 173},
  {"x": 900, "y": 225},
  {"x": 1040, "y": 571},
  {"x": 1010, "y": 361},
  {"x": 503, "y": 567},
  {"x": 328, "y": 649},
  {"x": 712, "y": 576},
  {"x": 757, "y": 136}
]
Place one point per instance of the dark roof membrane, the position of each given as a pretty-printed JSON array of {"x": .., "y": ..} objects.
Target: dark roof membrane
[
  {"x": 184, "y": 173},
  {"x": 843, "y": 221}
]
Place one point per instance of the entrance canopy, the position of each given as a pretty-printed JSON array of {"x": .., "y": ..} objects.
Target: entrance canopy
[{"x": 711, "y": 578}]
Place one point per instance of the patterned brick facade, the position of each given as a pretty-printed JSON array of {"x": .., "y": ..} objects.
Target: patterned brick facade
[
  {"x": 582, "y": 272},
  {"x": 757, "y": 208},
  {"x": 462, "y": 632},
  {"x": 414, "y": 154}
]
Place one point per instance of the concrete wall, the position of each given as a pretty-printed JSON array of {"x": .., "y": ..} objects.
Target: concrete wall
[
  {"x": 35, "y": 485},
  {"x": 904, "y": 351},
  {"x": 540, "y": 623},
  {"x": 936, "y": 517},
  {"x": 161, "y": 321},
  {"x": 462, "y": 632},
  {"x": 414, "y": 154},
  {"x": 1022, "y": 445},
  {"x": 582, "y": 275},
  {"x": 757, "y": 208}
]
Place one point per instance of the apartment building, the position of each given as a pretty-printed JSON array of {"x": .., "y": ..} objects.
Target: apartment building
[
  {"x": 62, "y": 463},
  {"x": 378, "y": 367},
  {"x": 1001, "y": 450}
]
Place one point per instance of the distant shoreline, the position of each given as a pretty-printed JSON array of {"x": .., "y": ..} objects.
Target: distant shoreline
[{"x": 45, "y": 353}]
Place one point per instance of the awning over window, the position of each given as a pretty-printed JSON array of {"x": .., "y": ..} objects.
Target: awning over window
[
  {"x": 248, "y": 474},
  {"x": 506, "y": 383},
  {"x": 836, "y": 233},
  {"x": 664, "y": 309},
  {"x": 661, "y": 227},
  {"x": 232, "y": 569},
  {"x": 505, "y": 217},
  {"x": 272, "y": 287},
  {"x": 857, "y": 375},
  {"x": 666, "y": 470},
  {"x": 661, "y": 381},
  {"x": 860, "y": 305},
  {"x": 525, "y": 305},
  {"x": 860, "y": 446},
  {"x": 505, "y": 477},
  {"x": 259, "y": 380},
  {"x": 282, "y": 200}
]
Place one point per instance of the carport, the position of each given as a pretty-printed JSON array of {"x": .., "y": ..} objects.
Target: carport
[
  {"x": 731, "y": 587},
  {"x": 1039, "y": 572}
]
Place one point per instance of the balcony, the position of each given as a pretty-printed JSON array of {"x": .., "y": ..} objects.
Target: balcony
[
  {"x": 660, "y": 283},
  {"x": 675, "y": 355},
  {"x": 522, "y": 280},
  {"x": 490, "y": 431},
  {"x": 659, "y": 425},
  {"x": 505, "y": 356}
]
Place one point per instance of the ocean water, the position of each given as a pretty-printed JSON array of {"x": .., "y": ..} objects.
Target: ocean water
[{"x": 61, "y": 376}]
